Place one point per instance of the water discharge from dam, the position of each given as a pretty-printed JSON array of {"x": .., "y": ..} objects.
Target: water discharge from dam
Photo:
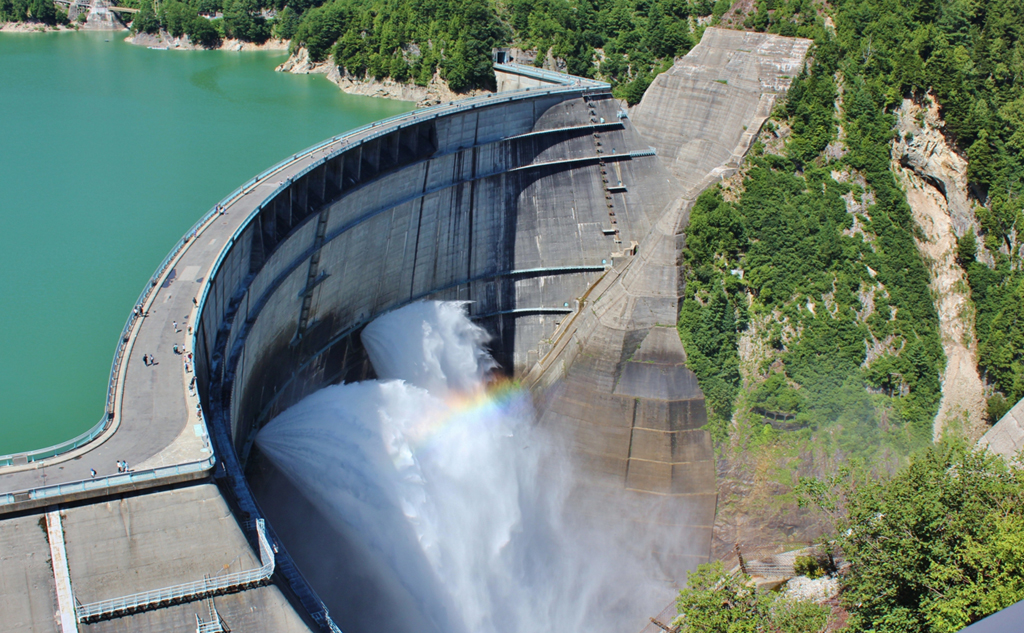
[{"x": 472, "y": 515}]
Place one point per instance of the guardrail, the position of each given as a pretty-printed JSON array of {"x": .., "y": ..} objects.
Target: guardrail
[
  {"x": 111, "y": 481},
  {"x": 187, "y": 592},
  {"x": 358, "y": 135},
  {"x": 342, "y": 142},
  {"x": 555, "y": 77}
]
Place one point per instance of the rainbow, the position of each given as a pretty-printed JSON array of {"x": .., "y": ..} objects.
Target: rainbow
[{"x": 492, "y": 404}]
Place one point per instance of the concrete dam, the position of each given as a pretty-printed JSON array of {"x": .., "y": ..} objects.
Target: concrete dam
[{"x": 553, "y": 211}]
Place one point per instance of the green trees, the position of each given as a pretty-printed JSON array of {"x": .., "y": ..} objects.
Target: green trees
[
  {"x": 176, "y": 16},
  {"x": 286, "y": 23},
  {"x": 626, "y": 42},
  {"x": 321, "y": 26},
  {"x": 39, "y": 10},
  {"x": 243, "y": 21},
  {"x": 403, "y": 40},
  {"x": 808, "y": 274},
  {"x": 202, "y": 32},
  {"x": 145, "y": 20},
  {"x": 970, "y": 56},
  {"x": 715, "y": 601},
  {"x": 934, "y": 548},
  {"x": 637, "y": 38}
]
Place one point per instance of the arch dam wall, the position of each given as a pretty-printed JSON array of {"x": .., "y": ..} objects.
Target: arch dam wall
[
  {"x": 504, "y": 206},
  {"x": 548, "y": 209},
  {"x": 516, "y": 207}
]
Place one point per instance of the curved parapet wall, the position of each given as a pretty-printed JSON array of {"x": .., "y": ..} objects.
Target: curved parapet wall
[
  {"x": 516, "y": 203},
  {"x": 483, "y": 203}
]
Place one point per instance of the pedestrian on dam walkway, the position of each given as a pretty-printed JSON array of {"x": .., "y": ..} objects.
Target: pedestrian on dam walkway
[
  {"x": 175, "y": 326},
  {"x": 92, "y": 471},
  {"x": 145, "y": 360}
]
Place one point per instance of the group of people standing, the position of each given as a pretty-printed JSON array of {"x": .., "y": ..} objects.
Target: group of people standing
[
  {"x": 122, "y": 467},
  {"x": 149, "y": 359}
]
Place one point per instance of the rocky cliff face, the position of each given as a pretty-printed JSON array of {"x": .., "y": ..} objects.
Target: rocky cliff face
[
  {"x": 437, "y": 91},
  {"x": 934, "y": 177}
]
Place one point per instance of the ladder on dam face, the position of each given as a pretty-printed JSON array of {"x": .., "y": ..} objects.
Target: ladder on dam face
[
  {"x": 614, "y": 230},
  {"x": 315, "y": 276},
  {"x": 214, "y": 624}
]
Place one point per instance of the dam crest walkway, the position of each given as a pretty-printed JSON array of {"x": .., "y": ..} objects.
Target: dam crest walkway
[{"x": 154, "y": 419}]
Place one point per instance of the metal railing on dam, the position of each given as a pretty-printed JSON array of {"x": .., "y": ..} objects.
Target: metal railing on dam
[
  {"x": 213, "y": 304},
  {"x": 359, "y": 135},
  {"x": 105, "y": 485},
  {"x": 211, "y": 324},
  {"x": 185, "y": 592}
]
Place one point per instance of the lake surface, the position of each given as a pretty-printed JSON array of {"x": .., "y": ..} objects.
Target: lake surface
[{"x": 108, "y": 153}]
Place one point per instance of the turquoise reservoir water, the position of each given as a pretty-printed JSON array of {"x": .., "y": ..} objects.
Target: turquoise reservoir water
[{"x": 108, "y": 153}]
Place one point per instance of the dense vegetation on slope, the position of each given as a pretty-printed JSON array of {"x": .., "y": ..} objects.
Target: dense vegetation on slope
[
  {"x": 971, "y": 56},
  {"x": 935, "y": 547},
  {"x": 823, "y": 285},
  {"x": 39, "y": 10},
  {"x": 837, "y": 286},
  {"x": 932, "y": 549},
  {"x": 625, "y": 42},
  {"x": 748, "y": 610}
]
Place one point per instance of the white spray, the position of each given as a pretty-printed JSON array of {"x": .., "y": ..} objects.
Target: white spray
[{"x": 457, "y": 495}]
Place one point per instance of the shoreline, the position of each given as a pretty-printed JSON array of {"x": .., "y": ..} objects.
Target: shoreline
[
  {"x": 437, "y": 91},
  {"x": 37, "y": 27},
  {"x": 298, "y": 63},
  {"x": 164, "y": 41}
]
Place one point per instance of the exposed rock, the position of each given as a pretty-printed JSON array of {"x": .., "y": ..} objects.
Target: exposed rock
[
  {"x": 31, "y": 26},
  {"x": 163, "y": 39},
  {"x": 934, "y": 177},
  {"x": 299, "y": 63},
  {"x": 101, "y": 18},
  {"x": 817, "y": 590},
  {"x": 922, "y": 149},
  {"x": 437, "y": 91}
]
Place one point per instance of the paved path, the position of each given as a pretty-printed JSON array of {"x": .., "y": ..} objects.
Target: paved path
[{"x": 155, "y": 420}]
